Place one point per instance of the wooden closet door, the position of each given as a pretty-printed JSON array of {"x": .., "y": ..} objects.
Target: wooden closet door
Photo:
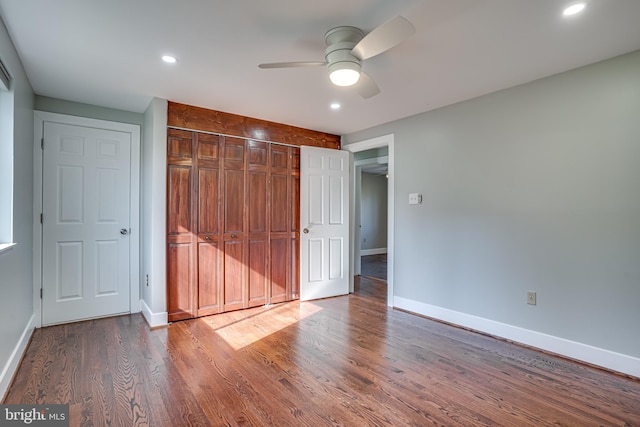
[
  {"x": 210, "y": 240},
  {"x": 258, "y": 237},
  {"x": 232, "y": 224},
  {"x": 294, "y": 235},
  {"x": 280, "y": 206},
  {"x": 181, "y": 257},
  {"x": 234, "y": 244}
]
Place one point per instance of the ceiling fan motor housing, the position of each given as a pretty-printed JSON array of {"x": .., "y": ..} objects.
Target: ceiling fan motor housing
[{"x": 340, "y": 42}]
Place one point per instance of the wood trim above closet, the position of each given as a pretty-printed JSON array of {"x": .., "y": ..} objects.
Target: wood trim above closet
[{"x": 205, "y": 120}]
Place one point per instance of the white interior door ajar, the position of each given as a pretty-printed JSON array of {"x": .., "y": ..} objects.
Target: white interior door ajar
[
  {"x": 85, "y": 231},
  {"x": 324, "y": 219}
]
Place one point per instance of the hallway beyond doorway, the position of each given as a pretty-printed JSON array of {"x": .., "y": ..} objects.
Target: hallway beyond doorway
[{"x": 374, "y": 266}]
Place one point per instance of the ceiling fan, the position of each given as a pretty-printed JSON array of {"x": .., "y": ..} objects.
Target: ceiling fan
[{"x": 347, "y": 47}]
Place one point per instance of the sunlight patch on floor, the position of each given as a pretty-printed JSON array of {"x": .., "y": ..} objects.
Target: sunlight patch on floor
[{"x": 244, "y": 327}]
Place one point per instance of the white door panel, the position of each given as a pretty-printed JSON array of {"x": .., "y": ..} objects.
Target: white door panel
[
  {"x": 324, "y": 218},
  {"x": 86, "y": 193}
]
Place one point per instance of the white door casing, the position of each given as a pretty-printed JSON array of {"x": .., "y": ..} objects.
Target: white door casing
[
  {"x": 377, "y": 142},
  {"x": 87, "y": 252},
  {"x": 324, "y": 222}
]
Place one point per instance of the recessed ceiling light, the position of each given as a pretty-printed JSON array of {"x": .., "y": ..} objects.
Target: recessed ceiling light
[
  {"x": 169, "y": 59},
  {"x": 574, "y": 9},
  {"x": 335, "y": 106}
]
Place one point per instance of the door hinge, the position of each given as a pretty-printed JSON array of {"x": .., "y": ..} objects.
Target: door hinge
[
  {"x": 41, "y": 219},
  {"x": 42, "y": 143},
  {"x": 40, "y": 293}
]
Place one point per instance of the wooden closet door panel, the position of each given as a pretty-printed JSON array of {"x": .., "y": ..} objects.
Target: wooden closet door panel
[
  {"x": 234, "y": 275},
  {"x": 258, "y": 189},
  {"x": 295, "y": 224},
  {"x": 280, "y": 159},
  {"x": 179, "y": 146},
  {"x": 258, "y": 272},
  {"x": 295, "y": 204},
  {"x": 280, "y": 220},
  {"x": 280, "y": 204},
  {"x": 209, "y": 283},
  {"x": 208, "y": 202},
  {"x": 209, "y": 237},
  {"x": 295, "y": 161},
  {"x": 181, "y": 258},
  {"x": 179, "y": 218},
  {"x": 234, "y": 188},
  {"x": 179, "y": 280},
  {"x": 208, "y": 148},
  {"x": 234, "y": 224},
  {"x": 234, "y": 202},
  {"x": 258, "y": 154},
  {"x": 295, "y": 267},
  {"x": 257, "y": 217},
  {"x": 234, "y": 152},
  {"x": 279, "y": 269},
  {"x": 257, "y": 204}
]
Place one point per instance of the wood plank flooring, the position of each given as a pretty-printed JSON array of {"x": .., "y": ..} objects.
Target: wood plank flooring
[
  {"x": 346, "y": 361},
  {"x": 374, "y": 266}
]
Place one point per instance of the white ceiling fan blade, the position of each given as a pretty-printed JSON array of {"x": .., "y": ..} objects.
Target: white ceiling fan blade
[
  {"x": 366, "y": 87},
  {"x": 383, "y": 38},
  {"x": 292, "y": 64}
]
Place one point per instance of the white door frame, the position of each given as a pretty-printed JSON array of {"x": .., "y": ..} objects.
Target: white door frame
[
  {"x": 357, "y": 208},
  {"x": 39, "y": 118},
  {"x": 381, "y": 141}
]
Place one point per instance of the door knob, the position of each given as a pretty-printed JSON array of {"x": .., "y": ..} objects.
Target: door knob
[
  {"x": 124, "y": 231},
  {"x": 305, "y": 231}
]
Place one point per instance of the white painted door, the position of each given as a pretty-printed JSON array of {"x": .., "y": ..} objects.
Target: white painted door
[
  {"x": 85, "y": 231},
  {"x": 324, "y": 219}
]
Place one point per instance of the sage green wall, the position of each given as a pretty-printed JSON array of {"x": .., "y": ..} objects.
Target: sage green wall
[
  {"x": 533, "y": 188},
  {"x": 154, "y": 190},
  {"x": 16, "y": 264},
  {"x": 370, "y": 154},
  {"x": 373, "y": 211},
  {"x": 61, "y": 106}
]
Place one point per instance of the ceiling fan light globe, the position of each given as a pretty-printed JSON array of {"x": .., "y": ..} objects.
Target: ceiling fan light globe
[{"x": 344, "y": 77}]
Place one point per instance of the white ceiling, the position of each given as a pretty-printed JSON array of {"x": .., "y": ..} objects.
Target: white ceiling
[{"x": 107, "y": 53}]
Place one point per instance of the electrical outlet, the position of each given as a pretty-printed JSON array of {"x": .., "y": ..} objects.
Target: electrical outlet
[{"x": 531, "y": 298}]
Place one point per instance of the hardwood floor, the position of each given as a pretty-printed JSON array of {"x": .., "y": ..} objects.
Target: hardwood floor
[
  {"x": 345, "y": 361},
  {"x": 374, "y": 266}
]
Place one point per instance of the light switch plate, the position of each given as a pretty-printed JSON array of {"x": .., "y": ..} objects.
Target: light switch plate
[{"x": 415, "y": 198}]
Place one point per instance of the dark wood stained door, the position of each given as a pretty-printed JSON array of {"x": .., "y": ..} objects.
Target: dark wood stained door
[
  {"x": 280, "y": 204},
  {"x": 208, "y": 200},
  {"x": 257, "y": 220},
  {"x": 232, "y": 224},
  {"x": 234, "y": 214},
  {"x": 181, "y": 250},
  {"x": 294, "y": 233}
]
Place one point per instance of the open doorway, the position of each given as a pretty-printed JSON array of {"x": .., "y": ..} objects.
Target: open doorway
[
  {"x": 373, "y": 157},
  {"x": 372, "y": 174}
]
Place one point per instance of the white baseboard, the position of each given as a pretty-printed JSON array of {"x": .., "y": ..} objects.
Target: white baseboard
[
  {"x": 593, "y": 355},
  {"x": 375, "y": 251},
  {"x": 16, "y": 356},
  {"x": 153, "y": 319}
]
